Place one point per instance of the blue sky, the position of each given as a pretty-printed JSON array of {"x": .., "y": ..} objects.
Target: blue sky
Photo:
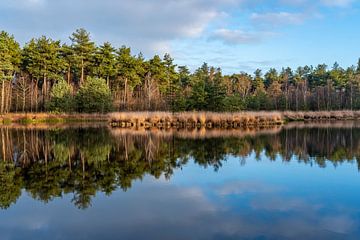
[{"x": 237, "y": 35}]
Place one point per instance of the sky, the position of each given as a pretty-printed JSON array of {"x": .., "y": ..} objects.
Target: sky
[{"x": 236, "y": 35}]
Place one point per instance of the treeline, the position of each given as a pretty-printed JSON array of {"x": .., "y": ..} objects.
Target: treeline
[{"x": 47, "y": 75}]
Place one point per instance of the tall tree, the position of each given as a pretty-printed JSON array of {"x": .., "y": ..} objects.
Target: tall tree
[
  {"x": 68, "y": 57},
  {"x": 41, "y": 58},
  {"x": 258, "y": 83},
  {"x": 198, "y": 97},
  {"x": 128, "y": 70},
  {"x": 171, "y": 78},
  {"x": 84, "y": 50},
  {"x": 105, "y": 62},
  {"x": 9, "y": 64}
]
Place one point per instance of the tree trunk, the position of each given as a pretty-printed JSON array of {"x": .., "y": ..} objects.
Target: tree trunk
[
  {"x": 2, "y": 96},
  {"x": 36, "y": 96},
  {"x": 125, "y": 93},
  {"x": 31, "y": 96},
  {"x": 351, "y": 96},
  {"x": 24, "y": 100},
  {"x": 82, "y": 72},
  {"x": 68, "y": 74},
  {"x": 9, "y": 98},
  {"x": 44, "y": 91}
]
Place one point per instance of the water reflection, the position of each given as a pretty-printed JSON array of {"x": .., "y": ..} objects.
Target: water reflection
[
  {"x": 186, "y": 181},
  {"x": 82, "y": 161}
]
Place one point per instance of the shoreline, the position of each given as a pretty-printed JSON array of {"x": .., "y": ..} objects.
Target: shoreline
[
  {"x": 181, "y": 120},
  {"x": 226, "y": 120},
  {"x": 49, "y": 118}
]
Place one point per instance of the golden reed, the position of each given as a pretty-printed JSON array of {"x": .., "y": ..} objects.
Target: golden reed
[{"x": 211, "y": 120}]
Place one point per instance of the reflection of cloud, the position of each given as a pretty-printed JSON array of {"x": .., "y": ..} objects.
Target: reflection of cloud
[
  {"x": 239, "y": 187},
  {"x": 271, "y": 203},
  {"x": 338, "y": 224},
  {"x": 161, "y": 210},
  {"x": 28, "y": 222}
]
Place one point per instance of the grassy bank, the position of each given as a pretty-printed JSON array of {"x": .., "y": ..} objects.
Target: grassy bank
[
  {"x": 321, "y": 115},
  {"x": 181, "y": 120},
  {"x": 39, "y": 118},
  {"x": 211, "y": 120},
  {"x": 195, "y": 119}
]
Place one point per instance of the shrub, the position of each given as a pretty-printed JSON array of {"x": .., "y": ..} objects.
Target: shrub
[
  {"x": 234, "y": 103},
  {"x": 94, "y": 96},
  {"x": 61, "y": 99}
]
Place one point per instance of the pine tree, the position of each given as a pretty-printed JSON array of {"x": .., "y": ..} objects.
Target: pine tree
[
  {"x": 258, "y": 83},
  {"x": 9, "y": 64},
  {"x": 61, "y": 99},
  {"x": 171, "y": 78},
  {"x": 68, "y": 58},
  {"x": 42, "y": 59},
  {"x": 94, "y": 96},
  {"x": 128, "y": 69},
  {"x": 105, "y": 62},
  {"x": 215, "y": 90},
  {"x": 84, "y": 50}
]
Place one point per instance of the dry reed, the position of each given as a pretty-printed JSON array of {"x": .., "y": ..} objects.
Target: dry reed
[{"x": 195, "y": 119}]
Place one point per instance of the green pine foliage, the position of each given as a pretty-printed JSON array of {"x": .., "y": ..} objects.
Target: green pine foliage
[
  {"x": 9, "y": 64},
  {"x": 94, "y": 96},
  {"x": 61, "y": 98}
]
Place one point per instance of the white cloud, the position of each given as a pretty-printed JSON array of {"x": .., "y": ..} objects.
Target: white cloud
[
  {"x": 152, "y": 26},
  {"x": 238, "y": 36},
  {"x": 312, "y": 3},
  {"x": 144, "y": 25}
]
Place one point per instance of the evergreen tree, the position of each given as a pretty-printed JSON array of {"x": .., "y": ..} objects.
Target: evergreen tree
[
  {"x": 68, "y": 58},
  {"x": 41, "y": 59},
  {"x": 84, "y": 50},
  {"x": 215, "y": 91},
  {"x": 270, "y": 77},
  {"x": 181, "y": 89},
  {"x": 128, "y": 69},
  {"x": 198, "y": 97},
  {"x": 171, "y": 79},
  {"x": 258, "y": 82},
  {"x": 9, "y": 64},
  {"x": 105, "y": 62},
  {"x": 61, "y": 99},
  {"x": 94, "y": 96}
]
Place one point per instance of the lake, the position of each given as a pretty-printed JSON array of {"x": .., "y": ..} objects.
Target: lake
[{"x": 300, "y": 181}]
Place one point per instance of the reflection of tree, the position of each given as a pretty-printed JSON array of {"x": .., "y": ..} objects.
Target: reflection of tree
[
  {"x": 10, "y": 187},
  {"x": 82, "y": 162}
]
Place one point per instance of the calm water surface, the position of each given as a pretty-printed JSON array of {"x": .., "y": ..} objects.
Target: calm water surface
[{"x": 96, "y": 183}]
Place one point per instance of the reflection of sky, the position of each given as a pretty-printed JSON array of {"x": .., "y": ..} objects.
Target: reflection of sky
[{"x": 260, "y": 200}]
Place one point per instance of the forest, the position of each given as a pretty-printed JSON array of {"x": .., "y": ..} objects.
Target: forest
[{"x": 46, "y": 75}]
